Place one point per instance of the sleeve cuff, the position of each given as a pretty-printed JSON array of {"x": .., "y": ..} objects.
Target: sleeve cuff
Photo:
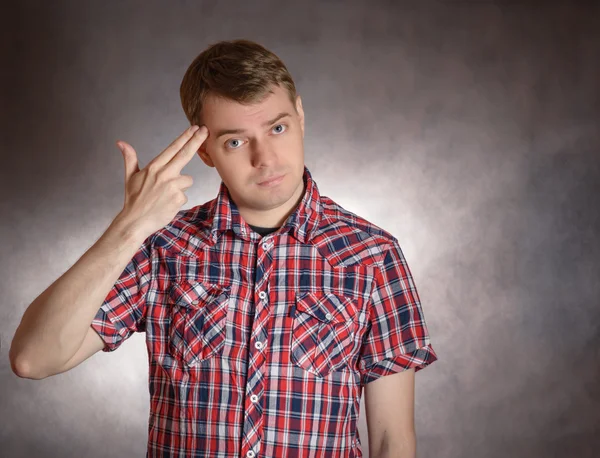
[
  {"x": 106, "y": 329},
  {"x": 417, "y": 359}
]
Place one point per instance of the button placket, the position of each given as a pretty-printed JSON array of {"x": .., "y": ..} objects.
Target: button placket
[{"x": 253, "y": 410}]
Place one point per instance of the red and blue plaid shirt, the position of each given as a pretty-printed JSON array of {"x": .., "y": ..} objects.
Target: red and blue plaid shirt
[{"x": 260, "y": 346}]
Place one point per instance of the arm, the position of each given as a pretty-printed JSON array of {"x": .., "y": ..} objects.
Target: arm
[
  {"x": 395, "y": 347},
  {"x": 389, "y": 405},
  {"x": 56, "y": 325}
]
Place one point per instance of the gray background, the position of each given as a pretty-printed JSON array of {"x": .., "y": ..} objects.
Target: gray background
[{"x": 468, "y": 129}]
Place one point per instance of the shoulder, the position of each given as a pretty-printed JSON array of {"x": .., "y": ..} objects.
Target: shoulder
[{"x": 349, "y": 238}]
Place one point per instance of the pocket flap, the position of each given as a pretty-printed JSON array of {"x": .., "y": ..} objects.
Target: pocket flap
[
  {"x": 326, "y": 307},
  {"x": 189, "y": 294}
]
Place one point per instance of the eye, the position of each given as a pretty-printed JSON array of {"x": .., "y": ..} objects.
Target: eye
[
  {"x": 281, "y": 125},
  {"x": 232, "y": 140}
]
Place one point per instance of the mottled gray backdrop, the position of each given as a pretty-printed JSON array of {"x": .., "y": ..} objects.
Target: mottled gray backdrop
[{"x": 468, "y": 129}]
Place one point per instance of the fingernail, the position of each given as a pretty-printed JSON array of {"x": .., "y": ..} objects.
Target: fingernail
[{"x": 193, "y": 128}]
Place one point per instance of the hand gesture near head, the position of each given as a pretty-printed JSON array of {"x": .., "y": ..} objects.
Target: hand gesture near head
[{"x": 154, "y": 194}]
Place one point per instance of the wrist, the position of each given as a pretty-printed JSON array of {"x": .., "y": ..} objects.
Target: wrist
[{"x": 123, "y": 228}]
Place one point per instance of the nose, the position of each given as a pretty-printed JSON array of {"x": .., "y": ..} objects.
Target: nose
[{"x": 263, "y": 155}]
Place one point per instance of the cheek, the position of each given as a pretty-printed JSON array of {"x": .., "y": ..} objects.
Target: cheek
[{"x": 295, "y": 143}]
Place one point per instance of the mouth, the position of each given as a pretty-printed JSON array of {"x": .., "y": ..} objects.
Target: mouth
[{"x": 272, "y": 181}]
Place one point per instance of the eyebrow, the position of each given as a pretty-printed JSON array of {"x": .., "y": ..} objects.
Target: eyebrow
[{"x": 265, "y": 124}]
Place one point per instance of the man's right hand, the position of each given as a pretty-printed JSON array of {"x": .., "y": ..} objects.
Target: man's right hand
[{"x": 154, "y": 195}]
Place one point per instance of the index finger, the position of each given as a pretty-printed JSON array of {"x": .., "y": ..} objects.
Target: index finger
[
  {"x": 171, "y": 150},
  {"x": 185, "y": 154}
]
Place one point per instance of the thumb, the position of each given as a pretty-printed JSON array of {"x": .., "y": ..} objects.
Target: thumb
[{"x": 130, "y": 158}]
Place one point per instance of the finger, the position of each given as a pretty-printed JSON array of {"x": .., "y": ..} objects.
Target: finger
[
  {"x": 189, "y": 150},
  {"x": 171, "y": 150},
  {"x": 130, "y": 158},
  {"x": 184, "y": 182}
]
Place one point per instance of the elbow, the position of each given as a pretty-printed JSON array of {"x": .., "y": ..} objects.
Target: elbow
[
  {"x": 18, "y": 367},
  {"x": 22, "y": 369}
]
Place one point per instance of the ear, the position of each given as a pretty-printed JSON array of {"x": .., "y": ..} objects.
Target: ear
[
  {"x": 300, "y": 112},
  {"x": 204, "y": 155}
]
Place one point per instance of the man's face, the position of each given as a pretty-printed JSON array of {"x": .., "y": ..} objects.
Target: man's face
[{"x": 259, "y": 151}]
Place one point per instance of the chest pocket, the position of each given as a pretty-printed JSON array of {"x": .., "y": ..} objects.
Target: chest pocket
[
  {"x": 198, "y": 315},
  {"x": 323, "y": 332}
]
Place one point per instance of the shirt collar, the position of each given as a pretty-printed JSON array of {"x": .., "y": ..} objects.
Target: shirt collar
[{"x": 301, "y": 223}]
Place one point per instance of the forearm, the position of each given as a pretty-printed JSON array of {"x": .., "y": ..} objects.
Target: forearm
[{"x": 56, "y": 322}]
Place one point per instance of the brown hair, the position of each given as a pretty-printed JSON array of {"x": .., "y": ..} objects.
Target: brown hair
[{"x": 239, "y": 70}]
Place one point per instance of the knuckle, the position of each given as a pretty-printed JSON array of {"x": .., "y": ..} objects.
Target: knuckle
[{"x": 153, "y": 168}]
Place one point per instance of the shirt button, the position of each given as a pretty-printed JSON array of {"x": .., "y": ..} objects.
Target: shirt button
[
  {"x": 254, "y": 398},
  {"x": 265, "y": 246},
  {"x": 328, "y": 316},
  {"x": 250, "y": 454},
  {"x": 258, "y": 345},
  {"x": 195, "y": 301},
  {"x": 262, "y": 294}
]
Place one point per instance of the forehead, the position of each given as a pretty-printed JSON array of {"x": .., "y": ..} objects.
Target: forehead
[{"x": 220, "y": 112}]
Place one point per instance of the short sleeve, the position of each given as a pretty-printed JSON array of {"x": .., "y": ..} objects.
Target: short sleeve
[
  {"x": 397, "y": 338},
  {"x": 123, "y": 311}
]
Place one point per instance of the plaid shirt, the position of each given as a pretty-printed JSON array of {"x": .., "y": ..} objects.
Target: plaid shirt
[{"x": 260, "y": 346}]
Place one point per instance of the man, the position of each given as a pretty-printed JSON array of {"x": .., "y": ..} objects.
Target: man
[{"x": 268, "y": 308}]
